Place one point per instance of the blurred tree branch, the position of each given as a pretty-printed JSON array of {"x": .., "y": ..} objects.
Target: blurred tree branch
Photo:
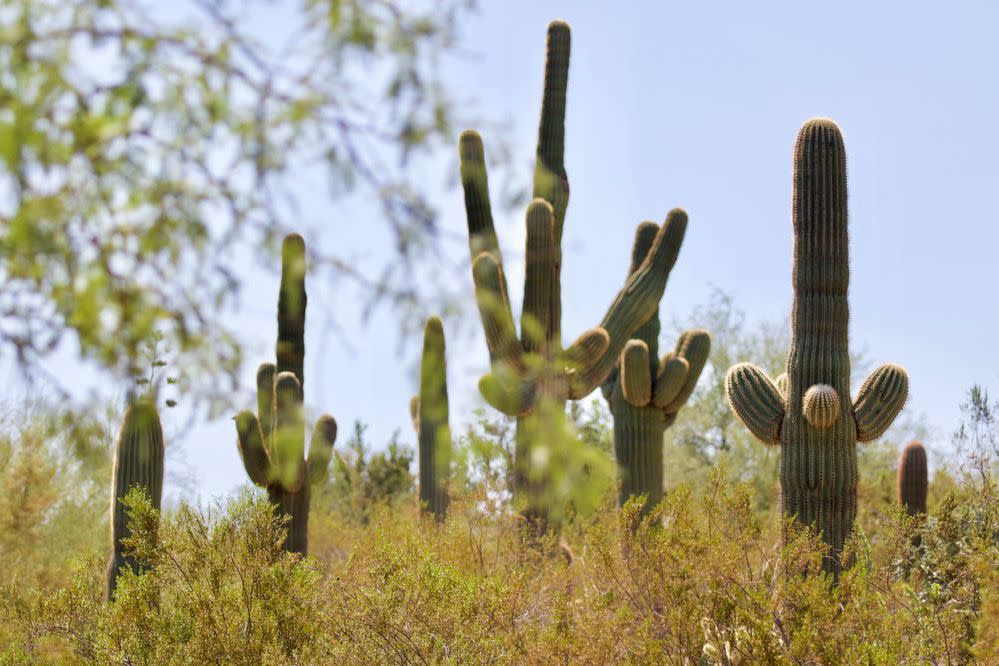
[{"x": 144, "y": 152}]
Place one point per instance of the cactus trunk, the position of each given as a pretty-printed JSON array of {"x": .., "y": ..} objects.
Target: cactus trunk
[{"x": 138, "y": 463}]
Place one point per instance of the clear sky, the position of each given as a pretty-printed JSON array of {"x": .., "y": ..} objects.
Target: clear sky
[{"x": 696, "y": 104}]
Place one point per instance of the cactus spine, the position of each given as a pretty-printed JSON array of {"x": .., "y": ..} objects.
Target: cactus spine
[
  {"x": 812, "y": 419},
  {"x": 429, "y": 410},
  {"x": 913, "y": 479},
  {"x": 138, "y": 462},
  {"x": 645, "y": 393},
  {"x": 534, "y": 375},
  {"x": 272, "y": 442}
]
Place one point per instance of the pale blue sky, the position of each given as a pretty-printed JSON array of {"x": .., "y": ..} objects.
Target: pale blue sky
[{"x": 696, "y": 104}]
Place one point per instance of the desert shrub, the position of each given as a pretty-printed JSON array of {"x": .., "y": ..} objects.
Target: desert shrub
[{"x": 703, "y": 579}]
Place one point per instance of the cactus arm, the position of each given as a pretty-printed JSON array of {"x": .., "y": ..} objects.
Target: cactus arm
[
  {"x": 821, "y": 406},
  {"x": 694, "y": 346},
  {"x": 508, "y": 394},
  {"x": 494, "y": 310},
  {"x": 288, "y": 454},
  {"x": 550, "y": 180},
  {"x": 581, "y": 357},
  {"x": 475, "y": 184},
  {"x": 638, "y": 300},
  {"x": 880, "y": 399},
  {"x": 672, "y": 375},
  {"x": 636, "y": 379},
  {"x": 250, "y": 440},
  {"x": 321, "y": 448},
  {"x": 291, "y": 308},
  {"x": 265, "y": 400},
  {"x": 536, "y": 324},
  {"x": 756, "y": 401}
]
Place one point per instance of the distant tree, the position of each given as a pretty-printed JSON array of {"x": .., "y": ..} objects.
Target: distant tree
[
  {"x": 146, "y": 149},
  {"x": 362, "y": 479},
  {"x": 977, "y": 437}
]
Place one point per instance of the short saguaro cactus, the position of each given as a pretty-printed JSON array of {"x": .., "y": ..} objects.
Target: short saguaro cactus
[
  {"x": 429, "y": 411},
  {"x": 809, "y": 413},
  {"x": 913, "y": 479},
  {"x": 272, "y": 442},
  {"x": 138, "y": 463}
]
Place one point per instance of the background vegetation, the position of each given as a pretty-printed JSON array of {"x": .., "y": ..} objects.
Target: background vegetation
[{"x": 703, "y": 580}]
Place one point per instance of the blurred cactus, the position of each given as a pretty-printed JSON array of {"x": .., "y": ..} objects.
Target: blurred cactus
[
  {"x": 534, "y": 373},
  {"x": 138, "y": 463},
  {"x": 913, "y": 479},
  {"x": 645, "y": 393},
  {"x": 430, "y": 419},
  {"x": 809, "y": 414},
  {"x": 272, "y": 442}
]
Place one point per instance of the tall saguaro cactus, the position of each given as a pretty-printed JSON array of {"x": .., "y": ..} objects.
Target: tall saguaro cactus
[
  {"x": 272, "y": 442},
  {"x": 534, "y": 374},
  {"x": 645, "y": 393},
  {"x": 138, "y": 463},
  {"x": 430, "y": 418},
  {"x": 913, "y": 479},
  {"x": 812, "y": 419}
]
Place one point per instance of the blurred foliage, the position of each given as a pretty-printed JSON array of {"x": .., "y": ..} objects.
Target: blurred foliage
[{"x": 146, "y": 150}]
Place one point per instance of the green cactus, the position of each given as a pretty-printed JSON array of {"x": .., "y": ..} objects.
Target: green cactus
[
  {"x": 913, "y": 479},
  {"x": 138, "y": 462},
  {"x": 811, "y": 416},
  {"x": 273, "y": 446},
  {"x": 645, "y": 393},
  {"x": 429, "y": 411},
  {"x": 535, "y": 369}
]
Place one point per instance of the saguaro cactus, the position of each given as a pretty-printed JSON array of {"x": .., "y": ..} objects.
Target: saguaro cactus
[
  {"x": 429, "y": 410},
  {"x": 913, "y": 479},
  {"x": 535, "y": 369},
  {"x": 138, "y": 463},
  {"x": 272, "y": 443},
  {"x": 645, "y": 393},
  {"x": 813, "y": 419}
]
